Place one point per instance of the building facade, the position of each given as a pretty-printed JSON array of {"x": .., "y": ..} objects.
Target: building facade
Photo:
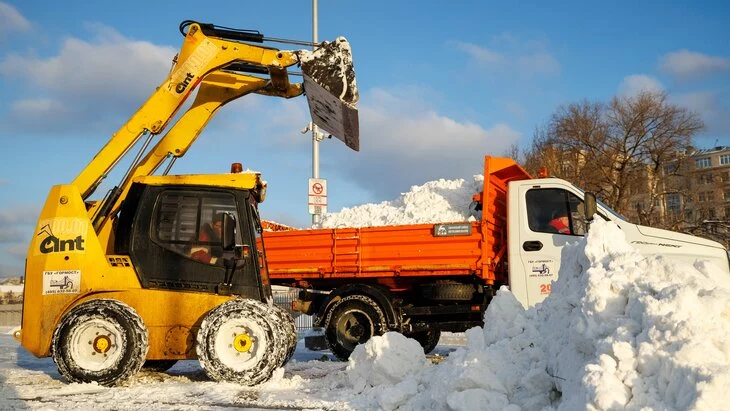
[{"x": 690, "y": 193}]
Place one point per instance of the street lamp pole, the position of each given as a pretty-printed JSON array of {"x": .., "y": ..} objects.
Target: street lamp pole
[{"x": 315, "y": 130}]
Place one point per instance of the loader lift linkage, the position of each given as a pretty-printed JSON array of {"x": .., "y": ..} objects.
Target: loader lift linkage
[{"x": 337, "y": 116}]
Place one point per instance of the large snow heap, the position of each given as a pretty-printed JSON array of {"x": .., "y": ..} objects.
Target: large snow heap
[
  {"x": 436, "y": 201},
  {"x": 619, "y": 331}
]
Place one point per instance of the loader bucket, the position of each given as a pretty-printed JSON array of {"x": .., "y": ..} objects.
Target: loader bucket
[{"x": 331, "y": 89}]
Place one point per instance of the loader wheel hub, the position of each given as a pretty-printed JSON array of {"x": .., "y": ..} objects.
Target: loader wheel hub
[
  {"x": 102, "y": 344},
  {"x": 242, "y": 343}
]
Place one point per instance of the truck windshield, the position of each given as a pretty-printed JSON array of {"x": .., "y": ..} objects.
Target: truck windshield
[{"x": 610, "y": 210}]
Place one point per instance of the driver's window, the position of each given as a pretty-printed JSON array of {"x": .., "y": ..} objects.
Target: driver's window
[
  {"x": 555, "y": 211},
  {"x": 189, "y": 223}
]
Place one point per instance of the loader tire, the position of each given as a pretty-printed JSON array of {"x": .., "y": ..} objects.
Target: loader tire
[
  {"x": 448, "y": 291},
  {"x": 428, "y": 339},
  {"x": 237, "y": 342},
  {"x": 158, "y": 365},
  {"x": 351, "y": 321},
  {"x": 103, "y": 341},
  {"x": 289, "y": 330}
]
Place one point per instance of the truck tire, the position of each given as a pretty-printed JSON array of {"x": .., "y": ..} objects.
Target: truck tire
[
  {"x": 351, "y": 321},
  {"x": 447, "y": 291},
  {"x": 288, "y": 326},
  {"x": 103, "y": 341},
  {"x": 428, "y": 339},
  {"x": 158, "y": 365},
  {"x": 239, "y": 342}
]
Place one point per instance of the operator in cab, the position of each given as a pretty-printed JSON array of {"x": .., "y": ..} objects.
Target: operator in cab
[
  {"x": 560, "y": 221},
  {"x": 209, "y": 249}
]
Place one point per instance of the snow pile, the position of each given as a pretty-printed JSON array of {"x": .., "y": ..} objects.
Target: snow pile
[
  {"x": 389, "y": 363},
  {"x": 619, "y": 330},
  {"x": 385, "y": 360},
  {"x": 434, "y": 202},
  {"x": 631, "y": 331}
]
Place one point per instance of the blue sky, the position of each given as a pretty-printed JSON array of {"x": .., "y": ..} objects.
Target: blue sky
[{"x": 441, "y": 85}]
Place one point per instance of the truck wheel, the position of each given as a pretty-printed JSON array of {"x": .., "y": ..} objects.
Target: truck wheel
[
  {"x": 158, "y": 365},
  {"x": 238, "y": 342},
  {"x": 100, "y": 340},
  {"x": 289, "y": 328},
  {"x": 351, "y": 321},
  {"x": 448, "y": 291},
  {"x": 428, "y": 339}
]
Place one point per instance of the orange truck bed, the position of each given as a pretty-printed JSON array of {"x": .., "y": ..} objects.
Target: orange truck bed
[{"x": 396, "y": 256}]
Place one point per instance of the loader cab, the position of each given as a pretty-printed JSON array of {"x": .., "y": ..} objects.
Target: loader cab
[{"x": 192, "y": 238}]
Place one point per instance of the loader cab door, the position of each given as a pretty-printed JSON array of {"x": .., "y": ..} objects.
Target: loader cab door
[
  {"x": 176, "y": 243},
  {"x": 547, "y": 217}
]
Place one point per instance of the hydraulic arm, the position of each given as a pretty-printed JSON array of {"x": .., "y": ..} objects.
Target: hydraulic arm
[
  {"x": 207, "y": 48},
  {"x": 214, "y": 58},
  {"x": 216, "y": 89}
]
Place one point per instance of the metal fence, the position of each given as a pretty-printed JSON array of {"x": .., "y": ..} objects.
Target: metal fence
[
  {"x": 284, "y": 298},
  {"x": 10, "y": 314}
]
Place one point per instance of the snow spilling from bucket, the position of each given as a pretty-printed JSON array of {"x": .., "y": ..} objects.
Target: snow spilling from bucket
[{"x": 620, "y": 330}]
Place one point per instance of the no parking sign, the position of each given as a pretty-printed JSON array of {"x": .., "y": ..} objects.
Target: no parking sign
[{"x": 317, "y": 196}]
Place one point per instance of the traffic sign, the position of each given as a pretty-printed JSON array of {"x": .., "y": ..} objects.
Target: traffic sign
[
  {"x": 318, "y": 187},
  {"x": 317, "y": 196}
]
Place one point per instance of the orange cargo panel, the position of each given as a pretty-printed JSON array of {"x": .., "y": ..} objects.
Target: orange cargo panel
[{"x": 371, "y": 251}]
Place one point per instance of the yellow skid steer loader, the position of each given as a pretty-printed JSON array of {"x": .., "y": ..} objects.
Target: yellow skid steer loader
[{"x": 167, "y": 267}]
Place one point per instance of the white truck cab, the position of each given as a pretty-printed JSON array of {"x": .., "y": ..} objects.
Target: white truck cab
[{"x": 536, "y": 239}]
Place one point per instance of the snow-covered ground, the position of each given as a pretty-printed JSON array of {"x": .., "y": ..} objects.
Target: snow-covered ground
[
  {"x": 619, "y": 331},
  {"x": 312, "y": 380}
]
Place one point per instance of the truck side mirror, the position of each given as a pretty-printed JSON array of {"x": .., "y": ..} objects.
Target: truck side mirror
[
  {"x": 589, "y": 208},
  {"x": 228, "y": 232}
]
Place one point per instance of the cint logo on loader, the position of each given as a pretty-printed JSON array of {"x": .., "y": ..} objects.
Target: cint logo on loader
[
  {"x": 62, "y": 235},
  {"x": 181, "y": 86}
]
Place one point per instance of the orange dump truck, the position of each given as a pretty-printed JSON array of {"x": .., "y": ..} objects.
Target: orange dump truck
[
  {"x": 418, "y": 279},
  {"x": 421, "y": 279}
]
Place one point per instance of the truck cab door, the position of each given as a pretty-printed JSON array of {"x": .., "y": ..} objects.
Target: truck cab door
[{"x": 538, "y": 235}]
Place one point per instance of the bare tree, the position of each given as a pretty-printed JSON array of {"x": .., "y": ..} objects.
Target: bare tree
[
  {"x": 618, "y": 149},
  {"x": 648, "y": 131},
  {"x": 514, "y": 152}
]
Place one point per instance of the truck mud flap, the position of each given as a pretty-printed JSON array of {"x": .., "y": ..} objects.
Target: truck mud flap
[{"x": 331, "y": 89}]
